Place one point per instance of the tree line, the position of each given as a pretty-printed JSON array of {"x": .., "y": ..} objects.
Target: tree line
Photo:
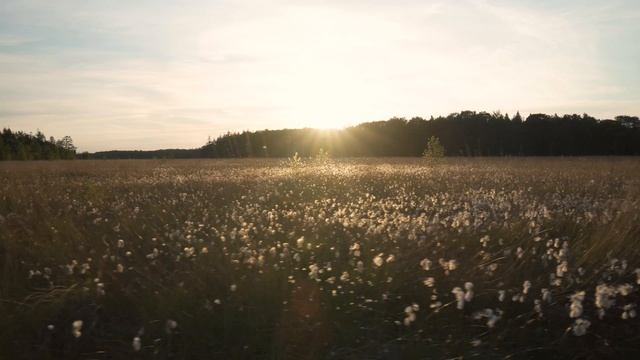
[
  {"x": 467, "y": 133},
  {"x": 17, "y": 145}
]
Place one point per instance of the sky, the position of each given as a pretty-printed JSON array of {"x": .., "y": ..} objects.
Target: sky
[{"x": 151, "y": 74}]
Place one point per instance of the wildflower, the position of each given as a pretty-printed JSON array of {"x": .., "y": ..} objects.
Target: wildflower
[
  {"x": 170, "y": 325},
  {"x": 313, "y": 271},
  {"x": 426, "y": 264},
  {"x": 100, "y": 289},
  {"x": 580, "y": 327},
  {"x": 410, "y": 312},
  {"x": 119, "y": 268},
  {"x": 575, "y": 309},
  {"x": 459, "y": 294},
  {"x": 629, "y": 312},
  {"x": 76, "y": 328},
  {"x": 84, "y": 268},
  {"x": 468, "y": 295},
  {"x": 546, "y": 295},
  {"x": 625, "y": 289},
  {"x": 491, "y": 316},
  {"x": 604, "y": 298},
  {"x": 526, "y": 286},
  {"x": 355, "y": 249},
  {"x": 120, "y": 243},
  {"x": 484, "y": 240},
  {"x": 300, "y": 242},
  {"x": 501, "y": 295},
  {"x": 378, "y": 260},
  {"x": 562, "y": 268},
  {"x": 51, "y": 327},
  {"x": 233, "y": 287},
  {"x": 136, "y": 344},
  {"x": 154, "y": 254},
  {"x": 452, "y": 264},
  {"x": 429, "y": 282},
  {"x": 537, "y": 307}
]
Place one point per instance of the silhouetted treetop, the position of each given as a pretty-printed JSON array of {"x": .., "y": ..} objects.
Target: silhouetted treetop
[
  {"x": 467, "y": 133},
  {"x": 17, "y": 145}
]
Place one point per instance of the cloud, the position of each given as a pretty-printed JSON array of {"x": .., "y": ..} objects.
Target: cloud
[{"x": 161, "y": 74}]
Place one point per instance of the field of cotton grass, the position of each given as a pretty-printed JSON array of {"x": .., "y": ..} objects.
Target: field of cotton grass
[{"x": 343, "y": 259}]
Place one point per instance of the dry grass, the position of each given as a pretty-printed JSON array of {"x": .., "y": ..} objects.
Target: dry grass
[{"x": 253, "y": 258}]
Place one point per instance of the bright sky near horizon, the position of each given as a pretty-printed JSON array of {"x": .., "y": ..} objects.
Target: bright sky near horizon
[{"x": 155, "y": 74}]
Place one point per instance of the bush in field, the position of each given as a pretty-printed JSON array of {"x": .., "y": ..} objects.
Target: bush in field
[
  {"x": 295, "y": 161},
  {"x": 322, "y": 157},
  {"x": 434, "y": 150}
]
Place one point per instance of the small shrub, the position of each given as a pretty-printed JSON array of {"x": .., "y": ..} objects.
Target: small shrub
[
  {"x": 322, "y": 157},
  {"x": 295, "y": 161},
  {"x": 434, "y": 150}
]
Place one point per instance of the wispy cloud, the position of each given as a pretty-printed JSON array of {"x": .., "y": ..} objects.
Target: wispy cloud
[{"x": 153, "y": 74}]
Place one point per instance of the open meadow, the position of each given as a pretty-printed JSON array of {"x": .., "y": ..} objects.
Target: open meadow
[{"x": 320, "y": 259}]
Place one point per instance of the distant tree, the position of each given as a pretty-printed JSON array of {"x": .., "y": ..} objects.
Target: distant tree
[
  {"x": 26, "y": 146},
  {"x": 628, "y": 121},
  {"x": 434, "y": 149},
  {"x": 66, "y": 143},
  {"x": 466, "y": 133},
  {"x": 517, "y": 118}
]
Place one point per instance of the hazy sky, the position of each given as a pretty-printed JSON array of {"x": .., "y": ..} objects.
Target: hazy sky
[{"x": 159, "y": 74}]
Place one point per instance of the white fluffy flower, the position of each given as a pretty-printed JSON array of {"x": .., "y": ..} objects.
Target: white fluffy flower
[
  {"x": 425, "y": 264},
  {"x": 136, "y": 343},
  {"x": 468, "y": 294},
  {"x": 501, "y": 295},
  {"x": 378, "y": 260},
  {"x": 459, "y": 294},
  {"x": 580, "y": 327},
  {"x": 575, "y": 309},
  {"x": 76, "y": 328}
]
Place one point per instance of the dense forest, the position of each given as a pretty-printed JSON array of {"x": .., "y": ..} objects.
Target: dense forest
[
  {"x": 149, "y": 154},
  {"x": 468, "y": 133},
  {"x": 22, "y": 146}
]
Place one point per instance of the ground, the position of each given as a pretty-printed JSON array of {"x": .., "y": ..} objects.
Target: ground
[{"x": 335, "y": 259}]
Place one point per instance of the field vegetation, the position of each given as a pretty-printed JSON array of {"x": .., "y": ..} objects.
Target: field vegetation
[{"x": 324, "y": 259}]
